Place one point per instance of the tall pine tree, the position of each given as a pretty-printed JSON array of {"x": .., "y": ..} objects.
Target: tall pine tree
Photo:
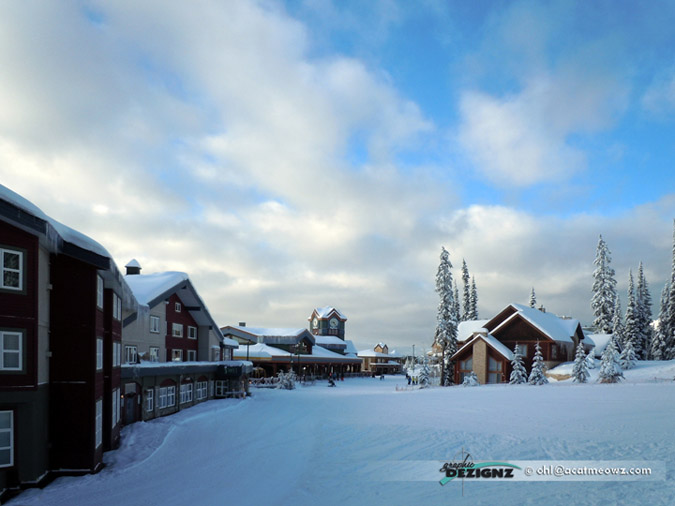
[
  {"x": 669, "y": 328},
  {"x": 474, "y": 300},
  {"x": 580, "y": 369},
  {"x": 456, "y": 311},
  {"x": 604, "y": 289},
  {"x": 643, "y": 301},
  {"x": 466, "y": 299},
  {"x": 618, "y": 330},
  {"x": 533, "y": 299},
  {"x": 537, "y": 376},
  {"x": 610, "y": 369},
  {"x": 446, "y": 322},
  {"x": 657, "y": 349},
  {"x": 632, "y": 330}
]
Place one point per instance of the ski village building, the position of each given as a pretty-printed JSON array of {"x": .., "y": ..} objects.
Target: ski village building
[
  {"x": 318, "y": 352},
  {"x": 72, "y": 336},
  {"x": 380, "y": 360},
  {"x": 488, "y": 351}
]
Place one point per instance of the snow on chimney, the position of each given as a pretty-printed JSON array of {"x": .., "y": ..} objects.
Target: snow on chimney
[
  {"x": 242, "y": 324},
  {"x": 133, "y": 267}
]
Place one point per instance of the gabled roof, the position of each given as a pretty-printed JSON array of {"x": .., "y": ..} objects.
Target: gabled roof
[
  {"x": 552, "y": 326},
  {"x": 331, "y": 341},
  {"x": 153, "y": 289},
  {"x": 491, "y": 341},
  {"x": 326, "y": 312},
  {"x": 372, "y": 354},
  {"x": 466, "y": 329},
  {"x": 269, "y": 335}
]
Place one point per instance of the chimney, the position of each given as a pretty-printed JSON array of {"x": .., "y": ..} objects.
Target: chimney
[
  {"x": 242, "y": 324},
  {"x": 542, "y": 309},
  {"x": 133, "y": 267}
]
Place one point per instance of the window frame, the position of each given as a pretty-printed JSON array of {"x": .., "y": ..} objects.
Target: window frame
[
  {"x": 154, "y": 357},
  {"x": 176, "y": 355},
  {"x": 98, "y": 424},
  {"x": 99, "y": 291},
  {"x": 150, "y": 400},
  {"x": 99, "y": 353},
  {"x": 192, "y": 355},
  {"x": 171, "y": 396},
  {"x": 116, "y": 405},
  {"x": 190, "y": 331},
  {"x": 178, "y": 307},
  {"x": 176, "y": 326},
  {"x": 20, "y": 352},
  {"x": 21, "y": 270},
  {"x": 10, "y": 431},
  {"x": 154, "y": 319},
  {"x": 186, "y": 393},
  {"x": 127, "y": 348}
]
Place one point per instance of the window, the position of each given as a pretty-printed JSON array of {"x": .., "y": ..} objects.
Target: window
[
  {"x": 177, "y": 329},
  {"x": 192, "y": 332},
  {"x": 6, "y": 438},
  {"x": 154, "y": 324},
  {"x": 162, "y": 397},
  {"x": 131, "y": 354},
  {"x": 522, "y": 349},
  {"x": 211, "y": 388},
  {"x": 11, "y": 353},
  {"x": 465, "y": 368},
  {"x": 99, "y": 354},
  {"x": 186, "y": 393},
  {"x": 171, "y": 396},
  {"x": 177, "y": 307},
  {"x": 494, "y": 371},
  {"x": 117, "y": 354},
  {"x": 176, "y": 355},
  {"x": 150, "y": 400},
  {"x": 202, "y": 390},
  {"x": 117, "y": 307},
  {"x": 99, "y": 423},
  {"x": 554, "y": 352},
  {"x": 221, "y": 388},
  {"x": 11, "y": 263},
  {"x": 115, "y": 407},
  {"x": 192, "y": 356},
  {"x": 99, "y": 292},
  {"x": 154, "y": 354}
]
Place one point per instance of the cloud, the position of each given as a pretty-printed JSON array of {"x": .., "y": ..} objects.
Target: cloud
[{"x": 659, "y": 98}]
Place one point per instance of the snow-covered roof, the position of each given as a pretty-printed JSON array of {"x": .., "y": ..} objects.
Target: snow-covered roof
[
  {"x": 330, "y": 341},
  {"x": 373, "y": 354},
  {"x": 133, "y": 263},
  {"x": 394, "y": 354},
  {"x": 553, "y": 326},
  {"x": 324, "y": 312},
  {"x": 466, "y": 329},
  {"x": 490, "y": 340},
  {"x": 260, "y": 351},
  {"x": 350, "y": 349},
  {"x": 148, "y": 287},
  {"x": 269, "y": 335},
  {"x": 600, "y": 340}
]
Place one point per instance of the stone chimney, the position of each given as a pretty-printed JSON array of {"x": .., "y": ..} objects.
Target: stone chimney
[{"x": 133, "y": 267}]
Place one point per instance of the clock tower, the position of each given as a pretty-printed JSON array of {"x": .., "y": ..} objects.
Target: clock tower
[{"x": 327, "y": 321}]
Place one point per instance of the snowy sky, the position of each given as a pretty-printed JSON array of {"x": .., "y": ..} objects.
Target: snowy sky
[{"x": 290, "y": 155}]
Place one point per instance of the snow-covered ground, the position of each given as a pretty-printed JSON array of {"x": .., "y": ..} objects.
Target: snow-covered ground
[{"x": 319, "y": 445}]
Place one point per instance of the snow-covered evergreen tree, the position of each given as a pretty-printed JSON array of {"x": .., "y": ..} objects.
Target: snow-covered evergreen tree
[
  {"x": 590, "y": 359},
  {"x": 466, "y": 299},
  {"x": 610, "y": 368},
  {"x": 604, "y": 289},
  {"x": 533, "y": 299},
  {"x": 632, "y": 330},
  {"x": 471, "y": 380},
  {"x": 627, "y": 358},
  {"x": 537, "y": 376},
  {"x": 669, "y": 327},
  {"x": 643, "y": 301},
  {"x": 657, "y": 349},
  {"x": 424, "y": 374},
  {"x": 474, "y": 300},
  {"x": 518, "y": 372},
  {"x": 286, "y": 380},
  {"x": 580, "y": 369},
  {"x": 446, "y": 321},
  {"x": 618, "y": 329},
  {"x": 456, "y": 310}
]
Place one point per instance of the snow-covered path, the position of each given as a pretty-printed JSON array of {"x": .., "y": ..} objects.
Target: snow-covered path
[{"x": 319, "y": 445}]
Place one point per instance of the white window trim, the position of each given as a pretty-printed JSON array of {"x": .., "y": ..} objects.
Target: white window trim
[
  {"x": 177, "y": 329},
  {"x": 150, "y": 400},
  {"x": 176, "y": 355},
  {"x": 178, "y": 307},
  {"x": 117, "y": 354},
  {"x": 192, "y": 356},
  {"x": 8, "y": 269},
  {"x": 129, "y": 348},
  {"x": 18, "y": 352},
  {"x": 186, "y": 393},
  {"x": 154, "y": 328},
  {"x": 99, "y": 423},
  {"x": 202, "y": 390},
  {"x": 154, "y": 357},
  {"x": 115, "y": 407},
  {"x": 9, "y": 430},
  {"x": 171, "y": 396},
  {"x": 99, "y": 291},
  {"x": 163, "y": 397},
  {"x": 192, "y": 332},
  {"x": 99, "y": 354}
]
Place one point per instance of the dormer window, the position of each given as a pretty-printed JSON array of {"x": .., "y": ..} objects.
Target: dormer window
[{"x": 178, "y": 307}]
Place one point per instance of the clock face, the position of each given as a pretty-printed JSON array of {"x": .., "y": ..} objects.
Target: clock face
[
  {"x": 315, "y": 323},
  {"x": 333, "y": 323}
]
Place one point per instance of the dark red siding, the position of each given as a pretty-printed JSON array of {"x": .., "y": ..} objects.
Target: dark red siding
[
  {"x": 19, "y": 310},
  {"x": 183, "y": 317}
]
